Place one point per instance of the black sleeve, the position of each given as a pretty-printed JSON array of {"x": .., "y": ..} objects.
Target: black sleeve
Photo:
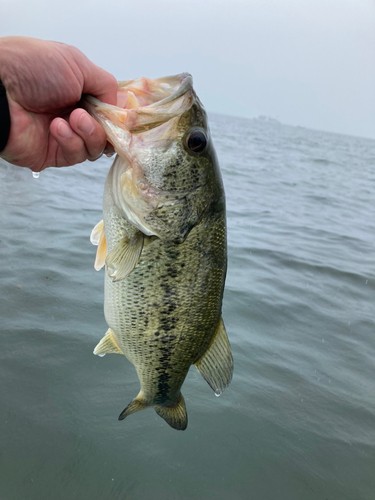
[{"x": 4, "y": 118}]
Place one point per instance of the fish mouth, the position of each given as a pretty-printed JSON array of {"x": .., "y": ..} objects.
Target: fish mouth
[
  {"x": 143, "y": 104},
  {"x": 143, "y": 125}
]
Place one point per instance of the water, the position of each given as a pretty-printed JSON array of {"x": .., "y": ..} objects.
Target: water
[{"x": 297, "y": 422}]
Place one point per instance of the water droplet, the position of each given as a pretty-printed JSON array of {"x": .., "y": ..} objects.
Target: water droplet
[
  {"x": 218, "y": 393},
  {"x": 36, "y": 175}
]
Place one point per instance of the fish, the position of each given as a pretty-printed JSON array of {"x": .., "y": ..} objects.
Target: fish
[{"x": 162, "y": 242}]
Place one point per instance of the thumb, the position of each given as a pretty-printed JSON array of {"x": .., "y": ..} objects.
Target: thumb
[{"x": 100, "y": 84}]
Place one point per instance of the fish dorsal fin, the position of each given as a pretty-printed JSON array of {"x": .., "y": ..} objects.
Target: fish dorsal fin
[
  {"x": 175, "y": 415},
  {"x": 124, "y": 257},
  {"x": 216, "y": 364},
  {"x": 107, "y": 345},
  {"x": 98, "y": 238}
]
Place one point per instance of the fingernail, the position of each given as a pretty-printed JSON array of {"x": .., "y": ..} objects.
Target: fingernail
[
  {"x": 85, "y": 124},
  {"x": 64, "y": 130}
]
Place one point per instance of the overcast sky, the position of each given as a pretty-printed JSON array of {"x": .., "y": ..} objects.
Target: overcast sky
[{"x": 303, "y": 62}]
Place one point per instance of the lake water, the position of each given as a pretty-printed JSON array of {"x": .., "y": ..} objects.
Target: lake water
[{"x": 297, "y": 422}]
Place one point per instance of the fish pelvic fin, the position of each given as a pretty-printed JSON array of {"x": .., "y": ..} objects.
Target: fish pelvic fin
[
  {"x": 175, "y": 415},
  {"x": 216, "y": 364},
  {"x": 124, "y": 257},
  {"x": 107, "y": 345},
  {"x": 98, "y": 238},
  {"x": 137, "y": 404}
]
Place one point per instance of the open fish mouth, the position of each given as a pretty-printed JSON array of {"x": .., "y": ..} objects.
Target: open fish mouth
[
  {"x": 145, "y": 131},
  {"x": 149, "y": 92},
  {"x": 144, "y": 103}
]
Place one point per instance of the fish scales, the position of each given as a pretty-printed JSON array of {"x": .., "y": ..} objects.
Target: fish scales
[
  {"x": 164, "y": 229},
  {"x": 164, "y": 303}
]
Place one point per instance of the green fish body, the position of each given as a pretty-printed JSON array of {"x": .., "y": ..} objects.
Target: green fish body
[{"x": 163, "y": 243}]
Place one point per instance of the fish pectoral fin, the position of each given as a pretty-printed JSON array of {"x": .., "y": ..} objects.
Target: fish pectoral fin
[
  {"x": 107, "y": 345},
  {"x": 96, "y": 232},
  {"x": 216, "y": 364},
  {"x": 137, "y": 404},
  {"x": 98, "y": 238},
  {"x": 175, "y": 415},
  {"x": 101, "y": 252},
  {"x": 124, "y": 257}
]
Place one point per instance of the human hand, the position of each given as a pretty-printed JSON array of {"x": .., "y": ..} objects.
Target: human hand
[{"x": 44, "y": 81}]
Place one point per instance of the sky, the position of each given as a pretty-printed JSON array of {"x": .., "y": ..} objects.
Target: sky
[{"x": 303, "y": 62}]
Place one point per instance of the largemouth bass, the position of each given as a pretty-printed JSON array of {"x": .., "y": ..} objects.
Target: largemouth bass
[{"x": 163, "y": 243}]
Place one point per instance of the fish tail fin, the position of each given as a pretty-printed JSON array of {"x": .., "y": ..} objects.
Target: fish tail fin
[
  {"x": 137, "y": 404},
  {"x": 174, "y": 415}
]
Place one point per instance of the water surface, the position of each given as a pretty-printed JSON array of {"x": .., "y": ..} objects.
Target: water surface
[{"x": 297, "y": 422}]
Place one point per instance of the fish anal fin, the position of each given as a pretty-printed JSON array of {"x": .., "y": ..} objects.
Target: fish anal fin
[
  {"x": 137, "y": 404},
  {"x": 124, "y": 257},
  {"x": 107, "y": 345},
  {"x": 174, "y": 415},
  {"x": 216, "y": 364}
]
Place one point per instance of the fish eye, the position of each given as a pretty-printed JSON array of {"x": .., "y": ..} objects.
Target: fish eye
[{"x": 197, "y": 141}]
